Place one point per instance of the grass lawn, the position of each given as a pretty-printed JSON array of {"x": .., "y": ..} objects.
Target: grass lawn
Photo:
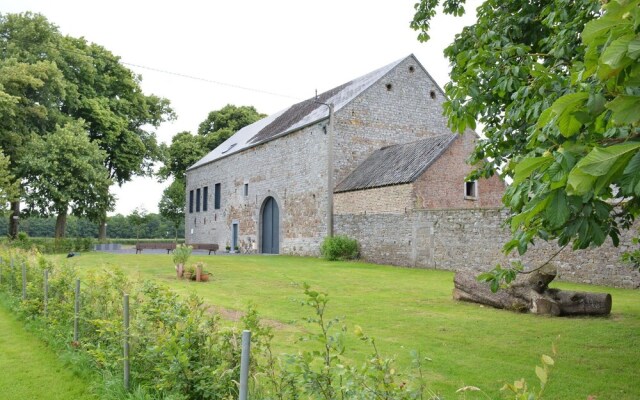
[
  {"x": 407, "y": 309},
  {"x": 30, "y": 370}
]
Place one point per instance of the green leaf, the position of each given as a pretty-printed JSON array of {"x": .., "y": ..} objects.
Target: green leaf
[
  {"x": 558, "y": 211},
  {"x": 615, "y": 53},
  {"x": 579, "y": 183},
  {"x": 626, "y": 109},
  {"x": 564, "y": 108},
  {"x": 600, "y": 27},
  {"x": 600, "y": 160},
  {"x": 526, "y": 167},
  {"x": 633, "y": 51}
]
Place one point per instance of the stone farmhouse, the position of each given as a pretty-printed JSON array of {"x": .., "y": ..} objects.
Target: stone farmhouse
[{"x": 373, "y": 159}]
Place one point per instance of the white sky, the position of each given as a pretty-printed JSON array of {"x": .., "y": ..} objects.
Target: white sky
[{"x": 289, "y": 47}]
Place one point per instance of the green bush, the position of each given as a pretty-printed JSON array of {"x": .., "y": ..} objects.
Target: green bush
[{"x": 339, "y": 247}]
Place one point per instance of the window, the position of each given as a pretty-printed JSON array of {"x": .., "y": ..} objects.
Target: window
[
  {"x": 216, "y": 202},
  {"x": 198, "y": 200},
  {"x": 246, "y": 189},
  {"x": 190, "y": 201},
  {"x": 471, "y": 190},
  {"x": 205, "y": 198}
]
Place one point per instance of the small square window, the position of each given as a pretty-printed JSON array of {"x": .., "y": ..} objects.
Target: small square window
[
  {"x": 246, "y": 189},
  {"x": 471, "y": 190}
]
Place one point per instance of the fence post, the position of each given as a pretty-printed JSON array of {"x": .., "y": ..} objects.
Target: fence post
[
  {"x": 24, "y": 281},
  {"x": 46, "y": 292},
  {"x": 244, "y": 364},
  {"x": 76, "y": 316},
  {"x": 127, "y": 369}
]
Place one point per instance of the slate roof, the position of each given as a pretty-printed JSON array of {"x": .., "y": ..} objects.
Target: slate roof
[
  {"x": 295, "y": 117},
  {"x": 397, "y": 164}
]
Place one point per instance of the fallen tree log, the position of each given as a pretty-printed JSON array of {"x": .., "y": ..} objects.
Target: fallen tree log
[{"x": 530, "y": 293}]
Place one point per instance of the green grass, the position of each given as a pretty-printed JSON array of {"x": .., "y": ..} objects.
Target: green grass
[
  {"x": 30, "y": 370},
  {"x": 407, "y": 309}
]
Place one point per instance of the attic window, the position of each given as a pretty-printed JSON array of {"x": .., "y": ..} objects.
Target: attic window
[
  {"x": 229, "y": 148},
  {"x": 389, "y": 87},
  {"x": 432, "y": 94},
  {"x": 411, "y": 68},
  {"x": 471, "y": 190}
]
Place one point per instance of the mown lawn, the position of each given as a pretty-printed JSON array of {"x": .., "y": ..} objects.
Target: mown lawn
[
  {"x": 30, "y": 370},
  {"x": 407, "y": 309}
]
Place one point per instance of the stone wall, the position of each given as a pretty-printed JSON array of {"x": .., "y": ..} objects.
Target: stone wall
[
  {"x": 387, "y": 199},
  {"x": 404, "y": 106},
  {"x": 291, "y": 169},
  {"x": 472, "y": 240}
]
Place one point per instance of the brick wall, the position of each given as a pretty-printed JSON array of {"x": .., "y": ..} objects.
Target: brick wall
[
  {"x": 472, "y": 239},
  {"x": 442, "y": 186}
]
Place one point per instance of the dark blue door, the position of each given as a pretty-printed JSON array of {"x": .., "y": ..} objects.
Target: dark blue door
[{"x": 270, "y": 227}]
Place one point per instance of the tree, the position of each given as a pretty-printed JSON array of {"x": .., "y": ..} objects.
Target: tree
[
  {"x": 92, "y": 86},
  {"x": 139, "y": 218},
  {"x": 557, "y": 87},
  {"x": 65, "y": 170},
  {"x": 8, "y": 186},
  {"x": 186, "y": 149},
  {"x": 172, "y": 204}
]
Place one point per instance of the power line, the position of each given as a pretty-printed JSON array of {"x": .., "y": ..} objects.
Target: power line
[
  {"x": 85, "y": 54},
  {"x": 209, "y": 80}
]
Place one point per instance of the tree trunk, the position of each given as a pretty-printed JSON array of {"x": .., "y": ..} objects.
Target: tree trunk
[
  {"x": 530, "y": 293},
  {"x": 14, "y": 219},
  {"x": 61, "y": 225},
  {"x": 102, "y": 231}
]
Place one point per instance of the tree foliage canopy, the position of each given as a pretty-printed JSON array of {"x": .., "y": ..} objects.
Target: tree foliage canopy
[
  {"x": 64, "y": 170},
  {"x": 556, "y": 86}
]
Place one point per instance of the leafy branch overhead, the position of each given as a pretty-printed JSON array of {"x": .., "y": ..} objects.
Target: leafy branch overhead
[{"x": 557, "y": 88}]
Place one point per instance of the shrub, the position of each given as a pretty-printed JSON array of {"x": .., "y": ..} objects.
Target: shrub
[{"x": 339, "y": 247}]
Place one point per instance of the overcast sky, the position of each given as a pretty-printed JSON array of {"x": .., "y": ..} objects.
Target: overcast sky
[{"x": 268, "y": 54}]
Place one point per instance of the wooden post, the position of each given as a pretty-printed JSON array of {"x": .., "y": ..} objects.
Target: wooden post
[
  {"x": 11, "y": 276},
  {"x": 24, "y": 281},
  {"x": 244, "y": 365},
  {"x": 127, "y": 370},
  {"x": 46, "y": 292},
  {"x": 76, "y": 317}
]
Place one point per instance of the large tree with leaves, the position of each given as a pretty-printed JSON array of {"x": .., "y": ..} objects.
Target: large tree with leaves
[
  {"x": 556, "y": 85},
  {"x": 186, "y": 149},
  {"x": 72, "y": 79},
  {"x": 64, "y": 170}
]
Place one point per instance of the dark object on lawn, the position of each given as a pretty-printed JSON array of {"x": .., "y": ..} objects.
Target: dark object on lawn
[
  {"x": 530, "y": 293},
  {"x": 72, "y": 254}
]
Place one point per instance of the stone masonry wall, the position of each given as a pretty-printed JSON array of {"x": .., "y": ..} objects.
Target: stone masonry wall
[
  {"x": 387, "y": 199},
  {"x": 397, "y": 109},
  {"x": 472, "y": 240},
  {"x": 291, "y": 169}
]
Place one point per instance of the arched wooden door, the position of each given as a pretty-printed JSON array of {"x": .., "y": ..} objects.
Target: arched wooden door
[{"x": 270, "y": 234}]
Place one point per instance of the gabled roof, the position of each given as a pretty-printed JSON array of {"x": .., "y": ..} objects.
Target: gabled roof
[
  {"x": 296, "y": 117},
  {"x": 397, "y": 164}
]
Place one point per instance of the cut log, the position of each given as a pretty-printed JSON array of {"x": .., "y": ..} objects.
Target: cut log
[{"x": 530, "y": 293}]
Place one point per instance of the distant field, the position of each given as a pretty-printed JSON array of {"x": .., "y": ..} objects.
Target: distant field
[
  {"x": 30, "y": 370},
  {"x": 407, "y": 309}
]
